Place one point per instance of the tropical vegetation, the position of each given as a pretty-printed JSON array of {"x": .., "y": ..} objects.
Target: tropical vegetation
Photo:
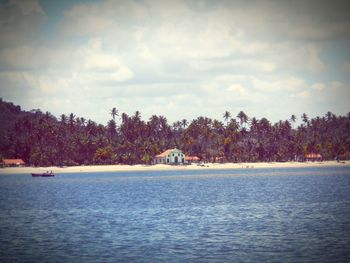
[{"x": 41, "y": 139}]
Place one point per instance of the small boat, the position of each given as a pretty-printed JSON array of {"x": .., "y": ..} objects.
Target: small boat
[{"x": 43, "y": 174}]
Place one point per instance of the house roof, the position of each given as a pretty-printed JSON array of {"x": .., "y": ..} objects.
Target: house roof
[
  {"x": 313, "y": 155},
  {"x": 13, "y": 161},
  {"x": 166, "y": 153},
  {"x": 192, "y": 158}
]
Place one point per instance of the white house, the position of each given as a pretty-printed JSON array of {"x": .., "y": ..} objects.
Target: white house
[{"x": 170, "y": 156}]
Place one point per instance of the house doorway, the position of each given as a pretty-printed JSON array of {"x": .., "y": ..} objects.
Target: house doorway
[{"x": 176, "y": 159}]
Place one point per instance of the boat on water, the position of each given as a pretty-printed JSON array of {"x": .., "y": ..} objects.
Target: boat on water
[{"x": 43, "y": 174}]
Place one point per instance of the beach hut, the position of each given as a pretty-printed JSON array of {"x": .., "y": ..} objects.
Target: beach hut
[
  {"x": 170, "y": 156},
  {"x": 12, "y": 163},
  {"x": 192, "y": 159},
  {"x": 313, "y": 157}
]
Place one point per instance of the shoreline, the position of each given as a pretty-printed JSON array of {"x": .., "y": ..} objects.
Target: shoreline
[{"x": 163, "y": 167}]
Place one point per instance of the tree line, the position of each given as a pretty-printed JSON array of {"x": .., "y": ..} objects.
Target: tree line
[{"x": 41, "y": 139}]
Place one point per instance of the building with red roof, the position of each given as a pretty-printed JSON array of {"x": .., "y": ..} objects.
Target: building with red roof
[
  {"x": 192, "y": 159},
  {"x": 313, "y": 157},
  {"x": 13, "y": 162}
]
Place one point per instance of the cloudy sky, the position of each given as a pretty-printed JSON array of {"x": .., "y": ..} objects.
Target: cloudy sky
[{"x": 180, "y": 59}]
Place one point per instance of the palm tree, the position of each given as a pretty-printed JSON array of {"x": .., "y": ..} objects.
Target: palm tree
[
  {"x": 217, "y": 125},
  {"x": 112, "y": 129},
  {"x": 293, "y": 118},
  {"x": 243, "y": 118},
  {"x": 114, "y": 112},
  {"x": 177, "y": 125},
  {"x": 305, "y": 118},
  {"x": 184, "y": 123},
  {"x": 137, "y": 115},
  {"x": 71, "y": 119},
  {"x": 63, "y": 119},
  {"x": 330, "y": 116},
  {"x": 82, "y": 121},
  {"x": 163, "y": 121},
  {"x": 125, "y": 117},
  {"x": 253, "y": 124},
  {"x": 227, "y": 116}
]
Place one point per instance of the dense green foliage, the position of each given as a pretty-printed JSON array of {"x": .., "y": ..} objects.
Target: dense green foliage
[{"x": 41, "y": 139}]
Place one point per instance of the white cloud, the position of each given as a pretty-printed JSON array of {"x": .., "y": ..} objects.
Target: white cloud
[
  {"x": 304, "y": 94},
  {"x": 325, "y": 92},
  {"x": 318, "y": 86},
  {"x": 346, "y": 66},
  {"x": 34, "y": 83},
  {"x": 99, "y": 65},
  {"x": 230, "y": 89},
  {"x": 157, "y": 31},
  {"x": 82, "y": 20},
  {"x": 27, "y": 6},
  {"x": 243, "y": 65},
  {"x": 101, "y": 62},
  {"x": 293, "y": 20},
  {"x": 20, "y": 23},
  {"x": 298, "y": 57},
  {"x": 182, "y": 56},
  {"x": 237, "y": 88},
  {"x": 289, "y": 84},
  {"x": 337, "y": 85},
  {"x": 26, "y": 57}
]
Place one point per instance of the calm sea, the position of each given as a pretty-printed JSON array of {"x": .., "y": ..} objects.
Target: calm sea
[{"x": 248, "y": 215}]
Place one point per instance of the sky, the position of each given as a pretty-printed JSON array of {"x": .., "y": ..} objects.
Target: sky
[{"x": 180, "y": 59}]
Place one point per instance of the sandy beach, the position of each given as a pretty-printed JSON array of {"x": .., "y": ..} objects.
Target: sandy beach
[{"x": 160, "y": 167}]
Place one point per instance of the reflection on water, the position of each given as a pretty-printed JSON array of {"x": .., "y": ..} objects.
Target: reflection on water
[{"x": 274, "y": 215}]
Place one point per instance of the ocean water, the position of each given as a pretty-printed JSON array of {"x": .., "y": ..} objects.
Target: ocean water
[{"x": 248, "y": 215}]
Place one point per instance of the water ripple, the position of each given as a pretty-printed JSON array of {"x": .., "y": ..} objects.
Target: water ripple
[{"x": 211, "y": 216}]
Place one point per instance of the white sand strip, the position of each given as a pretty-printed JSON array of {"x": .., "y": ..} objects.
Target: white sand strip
[{"x": 160, "y": 167}]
